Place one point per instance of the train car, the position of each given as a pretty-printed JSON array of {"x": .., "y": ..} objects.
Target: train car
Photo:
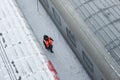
[{"x": 91, "y": 27}]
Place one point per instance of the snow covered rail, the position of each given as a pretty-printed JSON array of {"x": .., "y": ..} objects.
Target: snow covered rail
[
  {"x": 6, "y": 60},
  {"x": 21, "y": 57}
]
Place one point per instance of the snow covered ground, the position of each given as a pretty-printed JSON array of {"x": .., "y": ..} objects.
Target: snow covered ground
[
  {"x": 20, "y": 56},
  {"x": 64, "y": 60}
]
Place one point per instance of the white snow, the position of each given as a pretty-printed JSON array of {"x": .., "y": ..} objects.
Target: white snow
[
  {"x": 64, "y": 60},
  {"x": 20, "y": 56},
  {"x": 20, "y": 51}
]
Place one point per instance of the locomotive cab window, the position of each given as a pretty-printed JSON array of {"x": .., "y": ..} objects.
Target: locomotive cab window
[
  {"x": 88, "y": 62},
  {"x": 45, "y": 2},
  {"x": 57, "y": 17},
  {"x": 71, "y": 37}
]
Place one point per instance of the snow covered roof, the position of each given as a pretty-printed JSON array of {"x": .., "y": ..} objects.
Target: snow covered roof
[{"x": 103, "y": 18}]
